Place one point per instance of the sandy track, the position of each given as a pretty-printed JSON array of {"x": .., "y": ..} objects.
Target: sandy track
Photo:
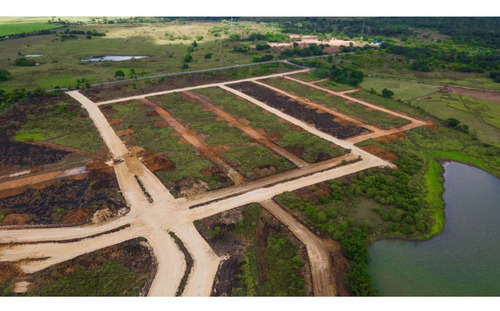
[
  {"x": 197, "y": 87},
  {"x": 321, "y": 266},
  {"x": 262, "y": 194},
  {"x": 198, "y": 143},
  {"x": 261, "y": 139},
  {"x": 205, "y": 261},
  {"x": 153, "y": 220},
  {"x": 59, "y": 252},
  {"x": 265, "y": 181}
]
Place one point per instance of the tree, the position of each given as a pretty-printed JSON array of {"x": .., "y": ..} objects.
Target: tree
[
  {"x": 387, "y": 93},
  {"x": 188, "y": 58},
  {"x": 194, "y": 44},
  {"x": 132, "y": 73},
  {"x": 119, "y": 74},
  {"x": 5, "y": 75},
  {"x": 452, "y": 122},
  {"x": 208, "y": 55}
]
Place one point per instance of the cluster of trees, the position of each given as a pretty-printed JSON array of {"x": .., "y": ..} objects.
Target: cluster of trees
[
  {"x": 311, "y": 50},
  {"x": 188, "y": 58},
  {"x": 426, "y": 57},
  {"x": 455, "y": 124},
  {"x": 495, "y": 76},
  {"x": 23, "y": 62},
  {"x": 264, "y": 58},
  {"x": 27, "y": 34}
]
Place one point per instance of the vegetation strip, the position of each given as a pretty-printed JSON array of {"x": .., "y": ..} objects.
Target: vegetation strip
[{"x": 189, "y": 263}]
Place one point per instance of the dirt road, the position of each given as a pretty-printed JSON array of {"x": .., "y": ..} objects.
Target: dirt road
[
  {"x": 321, "y": 266},
  {"x": 196, "y": 87},
  {"x": 154, "y": 220}
]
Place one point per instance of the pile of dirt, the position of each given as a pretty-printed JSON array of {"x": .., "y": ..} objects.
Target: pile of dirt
[
  {"x": 133, "y": 254},
  {"x": 190, "y": 187},
  {"x": 156, "y": 162},
  {"x": 322, "y": 121},
  {"x": 380, "y": 152},
  {"x": 265, "y": 170}
]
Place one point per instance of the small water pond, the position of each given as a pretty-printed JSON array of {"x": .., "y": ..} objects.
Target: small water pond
[
  {"x": 33, "y": 55},
  {"x": 113, "y": 58},
  {"x": 464, "y": 259}
]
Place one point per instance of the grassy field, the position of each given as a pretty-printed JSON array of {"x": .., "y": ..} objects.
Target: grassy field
[
  {"x": 482, "y": 117},
  {"x": 404, "y": 90},
  {"x": 220, "y": 133},
  {"x": 18, "y": 28},
  {"x": 356, "y": 110},
  {"x": 60, "y": 64},
  {"x": 188, "y": 164},
  {"x": 390, "y": 103},
  {"x": 62, "y": 125},
  {"x": 335, "y": 86},
  {"x": 313, "y": 145},
  {"x": 434, "y": 183}
]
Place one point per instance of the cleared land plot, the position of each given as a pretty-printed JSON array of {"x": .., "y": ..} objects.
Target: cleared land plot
[
  {"x": 147, "y": 130},
  {"x": 264, "y": 258},
  {"x": 322, "y": 121},
  {"x": 359, "y": 111},
  {"x": 248, "y": 157},
  {"x": 404, "y": 90},
  {"x": 63, "y": 123},
  {"x": 303, "y": 144},
  {"x": 124, "y": 269},
  {"x": 481, "y": 116}
]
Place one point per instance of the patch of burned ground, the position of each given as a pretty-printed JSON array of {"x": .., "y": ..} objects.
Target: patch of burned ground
[
  {"x": 66, "y": 201},
  {"x": 322, "y": 121},
  {"x": 20, "y": 154},
  {"x": 388, "y": 138},
  {"x": 124, "y": 89},
  {"x": 134, "y": 255},
  {"x": 156, "y": 162},
  {"x": 230, "y": 234},
  {"x": 295, "y": 150},
  {"x": 381, "y": 153},
  {"x": 314, "y": 193}
]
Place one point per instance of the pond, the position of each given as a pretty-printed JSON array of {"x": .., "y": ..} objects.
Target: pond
[
  {"x": 33, "y": 55},
  {"x": 113, "y": 58},
  {"x": 464, "y": 260}
]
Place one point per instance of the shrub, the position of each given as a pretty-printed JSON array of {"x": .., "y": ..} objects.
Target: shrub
[
  {"x": 208, "y": 55},
  {"x": 119, "y": 74},
  {"x": 387, "y": 93},
  {"x": 23, "y": 61},
  {"x": 5, "y": 75},
  {"x": 188, "y": 58}
]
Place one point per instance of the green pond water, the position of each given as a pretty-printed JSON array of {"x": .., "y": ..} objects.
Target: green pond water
[{"x": 464, "y": 260}]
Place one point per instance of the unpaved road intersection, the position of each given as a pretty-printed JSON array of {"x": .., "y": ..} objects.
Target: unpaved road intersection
[{"x": 154, "y": 220}]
